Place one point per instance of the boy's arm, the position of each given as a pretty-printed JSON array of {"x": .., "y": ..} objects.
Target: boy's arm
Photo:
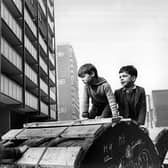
[
  {"x": 11, "y": 152},
  {"x": 111, "y": 100},
  {"x": 85, "y": 103},
  {"x": 142, "y": 107}
]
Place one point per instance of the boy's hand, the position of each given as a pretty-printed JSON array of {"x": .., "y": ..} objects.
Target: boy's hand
[
  {"x": 98, "y": 117},
  {"x": 85, "y": 115},
  {"x": 23, "y": 148},
  {"x": 115, "y": 115}
]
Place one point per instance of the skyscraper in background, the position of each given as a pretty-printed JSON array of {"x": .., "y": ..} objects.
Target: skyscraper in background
[
  {"x": 27, "y": 62},
  {"x": 68, "y": 96}
]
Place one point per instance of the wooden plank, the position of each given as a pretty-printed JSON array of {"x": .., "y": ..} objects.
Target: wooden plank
[
  {"x": 31, "y": 156},
  {"x": 74, "y": 131},
  {"x": 49, "y": 124},
  {"x": 73, "y": 122},
  {"x": 11, "y": 134},
  {"x": 54, "y": 156},
  {"x": 71, "y": 131},
  {"x": 40, "y": 132},
  {"x": 60, "y": 157},
  {"x": 81, "y": 131}
]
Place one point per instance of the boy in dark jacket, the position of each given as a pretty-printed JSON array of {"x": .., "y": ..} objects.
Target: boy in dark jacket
[
  {"x": 11, "y": 152},
  {"x": 131, "y": 99},
  {"x": 99, "y": 91}
]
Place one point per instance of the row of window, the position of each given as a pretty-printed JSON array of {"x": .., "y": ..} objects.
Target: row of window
[
  {"x": 30, "y": 47},
  {"x": 10, "y": 54},
  {"x": 51, "y": 24},
  {"x": 14, "y": 58},
  {"x": 42, "y": 6},
  {"x": 11, "y": 22},
  {"x": 31, "y": 100},
  {"x": 44, "y": 108},
  {"x": 51, "y": 8},
  {"x": 43, "y": 64},
  {"x": 10, "y": 88},
  {"x": 43, "y": 44},
  {"x": 52, "y": 94},
  {"x": 30, "y": 22},
  {"x": 9, "y": 19},
  {"x": 8, "y": 51},
  {"x": 51, "y": 57},
  {"x": 52, "y": 75},
  {"x": 30, "y": 73},
  {"x": 53, "y": 114},
  {"x": 43, "y": 86},
  {"x": 18, "y": 4},
  {"x": 13, "y": 90}
]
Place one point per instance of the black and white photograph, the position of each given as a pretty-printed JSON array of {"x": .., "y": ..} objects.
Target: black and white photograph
[{"x": 83, "y": 84}]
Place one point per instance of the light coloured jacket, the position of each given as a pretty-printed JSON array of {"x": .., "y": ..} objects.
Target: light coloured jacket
[{"x": 99, "y": 93}]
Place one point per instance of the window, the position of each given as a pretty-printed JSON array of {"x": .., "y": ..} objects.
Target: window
[
  {"x": 63, "y": 109},
  {"x": 60, "y": 54},
  {"x": 61, "y": 81}
]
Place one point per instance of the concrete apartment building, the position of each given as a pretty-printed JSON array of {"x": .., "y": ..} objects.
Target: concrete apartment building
[
  {"x": 27, "y": 62},
  {"x": 68, "y": 96}
]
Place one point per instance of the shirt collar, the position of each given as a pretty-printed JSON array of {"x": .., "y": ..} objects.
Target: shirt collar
[{"x": 129, "y": 89}]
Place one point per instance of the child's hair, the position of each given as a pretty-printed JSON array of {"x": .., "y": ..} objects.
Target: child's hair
[
  {"x": 87, "y": 69},
  {"x": 130, "y": 69}
]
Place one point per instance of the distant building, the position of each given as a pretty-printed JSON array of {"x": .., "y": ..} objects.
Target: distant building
[
  {"x": 160, "y": 107},
  {"x": 27, "y": 62},
  {"x": 68, "y": 98}
]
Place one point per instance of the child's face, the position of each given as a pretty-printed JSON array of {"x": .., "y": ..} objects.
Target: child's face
[
  {"x": 126, "y": 79},
  {"x": 86, "y": 78}
]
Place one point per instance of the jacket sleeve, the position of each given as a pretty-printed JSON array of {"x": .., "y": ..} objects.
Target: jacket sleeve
[
  {"x": 9, "y": 153},
  {"x": 142, "y": 107},
  {"x": 85, "y": 101},
  {"x": 111, "y": 99}
]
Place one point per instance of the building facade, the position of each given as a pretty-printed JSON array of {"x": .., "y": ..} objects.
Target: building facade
[
  {"x": 27, "y": 62},
  {"x": 68, "y": 96}
]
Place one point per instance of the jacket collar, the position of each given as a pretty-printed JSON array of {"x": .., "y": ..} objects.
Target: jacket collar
[{"x": 124, "y": 89}]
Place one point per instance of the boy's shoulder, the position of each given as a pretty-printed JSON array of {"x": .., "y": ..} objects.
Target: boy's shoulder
[
  {"x": 136, "y": 87},
  {"x": 100, "y": 81},
  {"x": 139, "y": 87}
]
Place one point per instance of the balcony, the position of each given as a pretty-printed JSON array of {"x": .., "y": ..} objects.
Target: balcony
[
  {"x": 42, "y": 6},
  {"x": 31, "y": 52},
  {"x": 51, "y": 61},
  {"x": 43, "y": 48},
  {"x": 15, "y": 6},
  {"x": 11, "y": 92},
  {"x": 53, "y": 114},
  {"x": 51, "y": 26},
  {"x": 10, "y": 28},
  {"x": 52, "y": 78},
  {"x": 31, "y": 80},
  {"x": 30, "y": 27},
  {"x": 32, "y": 7},
  {"x": 50, "y": 10},
  {"x": 42, "y": 24},
  {"x": 43, "y": 66},
  {"x": 44, "y": 108},
  {"x": 9, "y": 53},
  {"x": 31, "y": 100},
  {"x": 52, "y": 96}
]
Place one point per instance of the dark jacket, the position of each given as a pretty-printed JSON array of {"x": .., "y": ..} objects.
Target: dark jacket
[
  {"x": 9, "y": 153},
  {"x": 136, "y": 109}
]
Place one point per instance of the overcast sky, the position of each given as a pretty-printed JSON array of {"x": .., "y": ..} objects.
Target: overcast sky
[{"x": 113, "y": 33}]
